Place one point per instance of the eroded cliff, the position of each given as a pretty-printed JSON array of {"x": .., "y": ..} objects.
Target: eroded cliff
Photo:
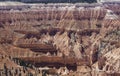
[{"x": 68, "y": 39}]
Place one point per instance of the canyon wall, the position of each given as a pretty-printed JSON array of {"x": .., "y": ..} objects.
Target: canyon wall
[{"x": 79, "y": 40}]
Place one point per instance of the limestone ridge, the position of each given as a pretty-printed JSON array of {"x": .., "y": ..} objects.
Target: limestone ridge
[{"x": 59, "y": 39}]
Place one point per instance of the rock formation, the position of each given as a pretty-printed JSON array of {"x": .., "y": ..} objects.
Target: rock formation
[{"x": 69, "y": 40}]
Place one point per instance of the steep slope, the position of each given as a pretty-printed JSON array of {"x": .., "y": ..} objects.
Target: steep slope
[{"x": 69, "y": 39}]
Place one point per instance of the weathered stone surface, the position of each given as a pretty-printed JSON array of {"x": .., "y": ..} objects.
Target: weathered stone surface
[{"x": 81, "y": 40}]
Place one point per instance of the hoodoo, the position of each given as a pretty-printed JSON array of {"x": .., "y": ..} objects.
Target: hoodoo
[{"x": 63, "y": 39}]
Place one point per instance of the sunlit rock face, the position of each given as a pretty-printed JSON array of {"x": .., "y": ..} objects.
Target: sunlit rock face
[{"x": 76, "y": 39}]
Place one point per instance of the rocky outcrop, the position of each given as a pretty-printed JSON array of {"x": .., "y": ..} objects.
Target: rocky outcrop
[{"x": 80, "y": 39}]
